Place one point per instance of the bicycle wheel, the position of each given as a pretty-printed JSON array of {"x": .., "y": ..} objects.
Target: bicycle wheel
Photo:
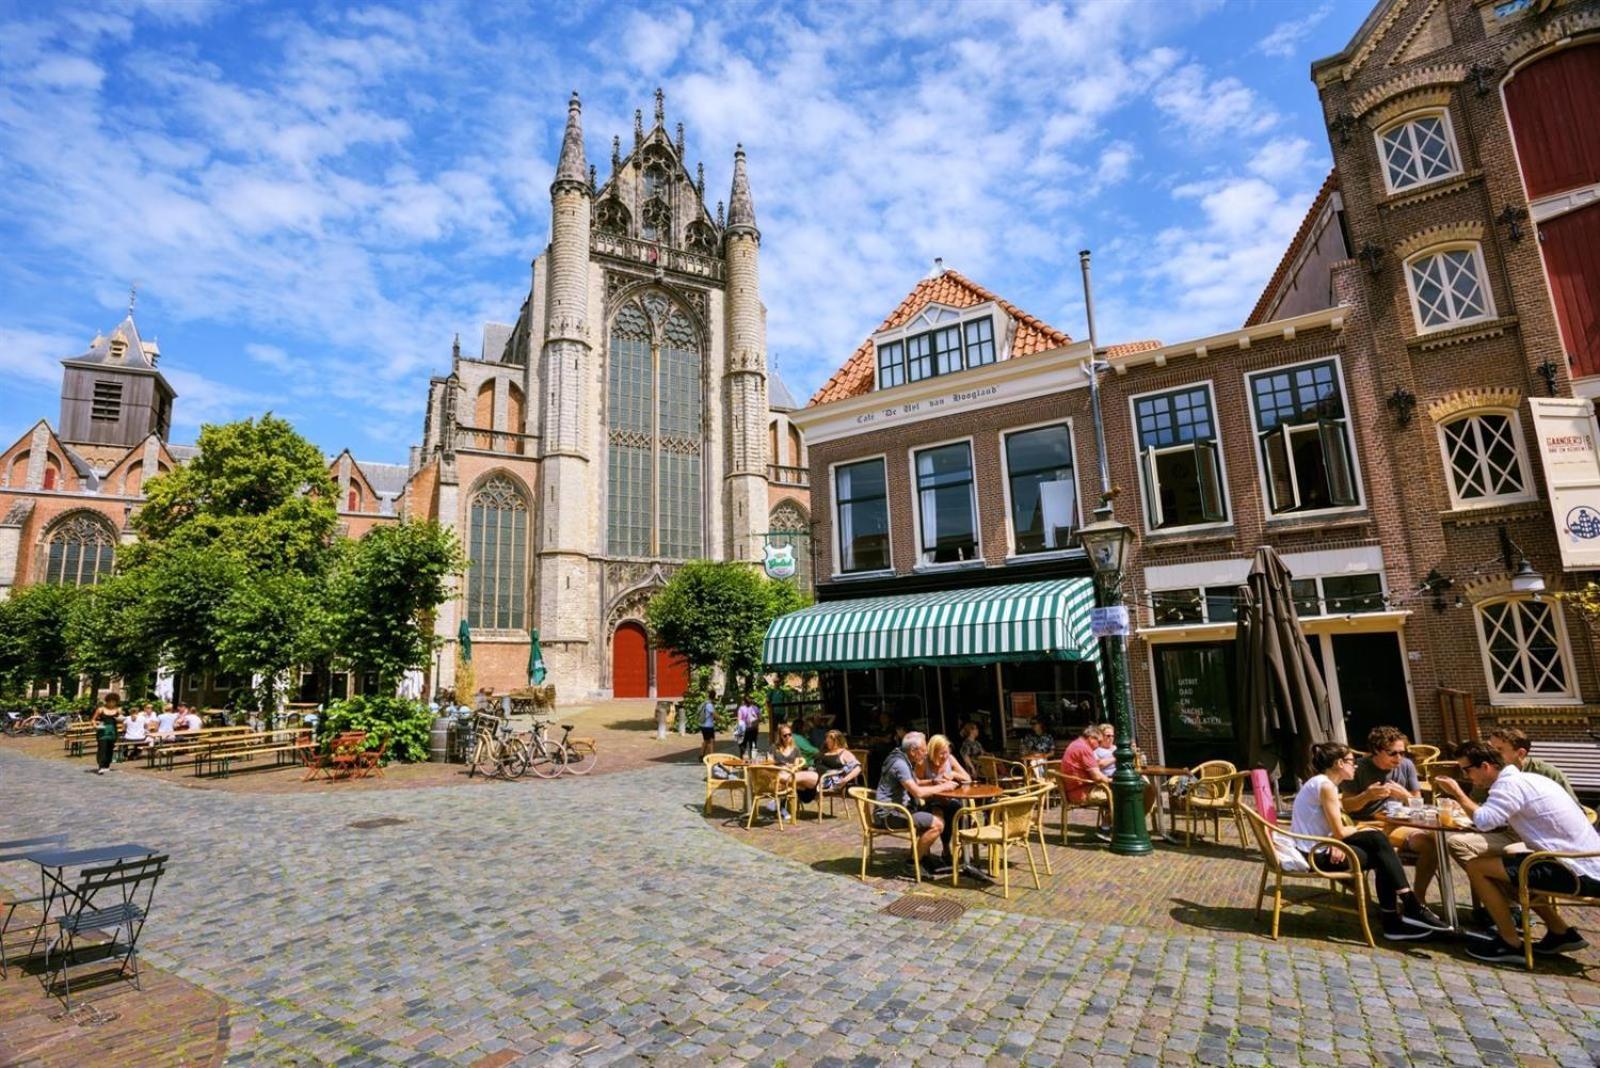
[
  {"x": 543, "y": 759},
  {"x": 580, "y": 759},
  {"x": 58, "y": 726},
  {"x": 479, "y": 757},
  {"x": 515, "y": 756}
]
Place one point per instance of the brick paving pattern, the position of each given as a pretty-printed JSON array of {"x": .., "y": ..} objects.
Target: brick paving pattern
[{"x": 550, "y": 926}]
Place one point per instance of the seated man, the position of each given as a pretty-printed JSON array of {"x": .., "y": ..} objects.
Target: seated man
[
  {"x": 1513, "y": 746},
  {"x": 1385, "y": 774},
  {"x": 167, "y": 723},
  {"x": 897, "y": 783},
  {"x": 1086, "y": 781},
  {"x": 1545, "y": 818},
  {"x": 188, "y": 720},
  {"x": 134, "y": 730}
]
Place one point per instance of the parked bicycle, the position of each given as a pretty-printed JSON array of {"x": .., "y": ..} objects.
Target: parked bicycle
[
  {"x": 496, "y": 751},
  {"x": 38, "y": 723},
  {"x": 550, "y": 757}
]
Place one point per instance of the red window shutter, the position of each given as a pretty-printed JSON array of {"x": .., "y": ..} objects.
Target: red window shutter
[
  {"x": 1571, "y": 246},
  {"x": 1552, "y": 105}
]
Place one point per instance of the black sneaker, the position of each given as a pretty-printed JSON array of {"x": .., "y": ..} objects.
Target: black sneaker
[
  {"x": 1494, "y": 952},
  {"x": 1417, "y": 914},
  {"x": 1396, "y": 929},
  {"x": 1481, "y": 917},
  {"x": 941, "y": 868},
  {"x": 1552, "y": 943},
  {"x": 1102, "y": 836}
]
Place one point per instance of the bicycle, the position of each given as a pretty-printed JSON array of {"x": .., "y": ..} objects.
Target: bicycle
[
  {"x": 495, "y": 752},
  {"x": 51, "y": 723},
  {"x": 551, "y": 757}
]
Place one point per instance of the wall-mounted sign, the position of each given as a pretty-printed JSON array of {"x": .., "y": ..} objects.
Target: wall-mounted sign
[
  {"x": 1568, "y": 449},
  {"x": 1111, "y": 622},
  {"x": 778, "y": 561}
]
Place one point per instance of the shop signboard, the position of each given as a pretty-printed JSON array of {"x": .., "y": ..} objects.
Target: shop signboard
[
  {"x": 1109, "y": 622},
  {"x": 1196, "y": 698},
  {"x": 1568, "y": 436}
]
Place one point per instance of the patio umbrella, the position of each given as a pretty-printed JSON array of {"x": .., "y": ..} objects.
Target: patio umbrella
[
  {"x": 464, "y": 636},
  {"x": 536, "y": 672},
  {"x": 1282, "y": 699}
]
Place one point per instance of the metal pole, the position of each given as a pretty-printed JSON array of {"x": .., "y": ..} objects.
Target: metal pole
[{"x": 1129, "y": 835}]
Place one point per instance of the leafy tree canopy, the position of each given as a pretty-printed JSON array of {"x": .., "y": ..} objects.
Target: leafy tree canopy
[
  {"x": 716, "y": 613},
  {"x": 384, "y": 594},
  {"x": 33, "y": 634}
]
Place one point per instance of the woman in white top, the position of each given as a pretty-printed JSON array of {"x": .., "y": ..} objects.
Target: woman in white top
[
  {"x": 134, "y": 729},
  {"x": 1317, "y": 812}
]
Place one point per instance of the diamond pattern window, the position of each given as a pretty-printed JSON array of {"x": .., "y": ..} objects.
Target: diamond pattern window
[
  {"x": 1303, "y": 438},
  {"x": 1448, "y": 289},
  {"x": 1483, "y": 457},
  {"x": 1524, "y": 651},
  {"x": 497, "y": 546},
  {"x": 1418, "y": 151},
  {"x": 1180, "y": 464},
  {"x": 79, "y": 549}
]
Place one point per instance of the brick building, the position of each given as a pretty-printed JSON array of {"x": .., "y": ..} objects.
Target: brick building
[{"x": 1371, "y": 420}]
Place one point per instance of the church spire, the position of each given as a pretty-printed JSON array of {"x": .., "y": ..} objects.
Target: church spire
[
  {"x": 572, "y": 167},
  {"x": 741, "y": 208}
]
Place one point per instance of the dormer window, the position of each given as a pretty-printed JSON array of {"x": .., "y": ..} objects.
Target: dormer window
[
  {"x": 119, "y": 348},
  {"x": 939, "y": 341}
]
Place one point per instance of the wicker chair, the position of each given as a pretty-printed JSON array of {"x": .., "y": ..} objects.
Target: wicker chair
[
  {"x": 866, "y": 805},
  {"x": 1422, "y": 754},
  {"x": 1215, "y": 792},
  {"x": 1098, "y": 797},
  {"x": 763, "y": 782},
  {"x": 1009, "y": 821},
  {"x": 1528, "y": 897},
  {"x": 714, "y": 784},
  {"x": 1002, "y": 772},
  {"x": 1045, "y": 791},
  {"x": 836, "y": 791},
  {"x": 1352, "y": 878}
]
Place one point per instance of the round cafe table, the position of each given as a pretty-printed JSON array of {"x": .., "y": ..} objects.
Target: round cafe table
[
  {"x": 1439, "y": 830},
  {"x": 1163, "y": 811}
]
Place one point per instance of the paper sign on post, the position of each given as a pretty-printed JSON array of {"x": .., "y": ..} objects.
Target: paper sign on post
[
  {"x": 1567, "y": 438},
  {"x": 1111, "y": 622}
]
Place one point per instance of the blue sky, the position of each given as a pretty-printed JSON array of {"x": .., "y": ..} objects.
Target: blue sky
[{"x": 313, "y": 199}]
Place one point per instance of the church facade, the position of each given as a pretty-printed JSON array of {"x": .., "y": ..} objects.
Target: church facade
[{"x": 625, "y": 423}]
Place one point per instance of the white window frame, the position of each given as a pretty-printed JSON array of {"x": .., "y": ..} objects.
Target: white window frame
[
  {"x": 1563, "y": 651},
  {"x": 1459, "y": 503},
  {"x": 1005, "y": 485},
  {"x": 999, "y": 323},
  {"x": 1150, "y": 501},
  {"x": 1410, "y": 117},
  {"x": 839, "y": 573},
  {"x": 1476, "y": 248},
  {"x": 916, "y": 505},
  {"x": 1350, "y": 440}
]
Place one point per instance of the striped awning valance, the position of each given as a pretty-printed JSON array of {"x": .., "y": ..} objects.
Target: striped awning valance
[{"x": 1026, "y": 621}]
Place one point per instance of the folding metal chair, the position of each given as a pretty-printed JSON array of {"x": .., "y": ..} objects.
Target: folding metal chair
[
  {"x": 130, "y": 880},
  {"x": 16, "y": 850}
]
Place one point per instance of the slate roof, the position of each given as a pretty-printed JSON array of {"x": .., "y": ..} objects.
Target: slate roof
[
  {"x": 954, "y": 290},
  {"x": 495, "y": 338},
  {"x": 137, "y": 354},
  {"x": 779, "y": 399}
]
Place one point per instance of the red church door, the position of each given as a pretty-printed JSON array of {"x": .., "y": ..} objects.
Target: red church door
[
  {"x": 630, "y": 664},
  {"x": 672, "y": 674}
]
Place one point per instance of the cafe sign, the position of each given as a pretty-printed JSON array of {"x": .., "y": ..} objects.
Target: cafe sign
[{"x": 1569, "y": 449}]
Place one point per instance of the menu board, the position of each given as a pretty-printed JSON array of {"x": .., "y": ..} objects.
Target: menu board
[
  {"x": 1024, "y": 709},
  {"x": 1196, "y": 698}
]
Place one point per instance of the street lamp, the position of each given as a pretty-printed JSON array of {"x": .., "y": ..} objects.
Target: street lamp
[{"x": 1107, "y": 543}]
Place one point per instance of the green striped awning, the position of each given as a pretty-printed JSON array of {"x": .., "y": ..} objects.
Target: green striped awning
[{"x": 985, "y": 625}]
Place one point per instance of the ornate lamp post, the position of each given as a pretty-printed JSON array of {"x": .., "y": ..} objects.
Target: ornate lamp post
[{"x": 1107, "y": 544}]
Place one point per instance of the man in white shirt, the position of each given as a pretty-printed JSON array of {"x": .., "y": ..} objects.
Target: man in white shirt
[
  {"x": 166, "y": 723},
  {"x": 1544, "y": 817},
  {"x": 188, "y": 721}
]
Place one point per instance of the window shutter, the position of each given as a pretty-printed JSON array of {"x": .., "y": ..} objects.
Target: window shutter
[
  {"x": 1208, "y": 475},
  {"x": 1280, "y": 469},
  {"x": 1336, "y": 458},
  {"x": 1152, "y": 485}
]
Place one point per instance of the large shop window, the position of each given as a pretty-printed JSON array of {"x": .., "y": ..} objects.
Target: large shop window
[
  {"x": 497, "y": 540},
  {"x": 1303, "y": 438},
  {"x": 945, "y": 506},
  {"x": 1483, "y": 457},
  {"x": 1179, "y": 461},
  {"x": 1417, "y": 151},
  {"x": 1524, "y": 651},
  {"x": 1448, "y": 288},
  {"x": 953, "y": 345},
  {"x": 1044, "y": 491},
  {"x": 863, "y": 516}
]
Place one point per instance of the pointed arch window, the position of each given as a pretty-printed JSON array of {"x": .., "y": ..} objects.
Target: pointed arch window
[
  {"x": 654, "y": 399},
  {"x": 497, "y": 545},
  {"x": 78, "y": 550}
]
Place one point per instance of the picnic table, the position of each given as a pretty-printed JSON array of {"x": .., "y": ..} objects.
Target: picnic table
[
  {"x": 190, "y": 743},
  {"x": 247, "y": 747}
]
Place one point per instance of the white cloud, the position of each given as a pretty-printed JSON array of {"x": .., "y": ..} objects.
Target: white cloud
[
  {"x": 67, "y": 72},
  {"x": 36, "y": 355},
  {"x": 1286, "y": 37},
  {"x": 1207, "y": 109},
  {"x": 652, "y": 43},
  {"x": 1282, "y": 159}
]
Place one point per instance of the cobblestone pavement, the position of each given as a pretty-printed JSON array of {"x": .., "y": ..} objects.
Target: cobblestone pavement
[{"x": 549, "y": 926}]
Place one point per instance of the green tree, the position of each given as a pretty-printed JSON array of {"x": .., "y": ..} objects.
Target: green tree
[
  {"x": 716, "y": 613},
  {"x": 109, "y": 633},
  {"x": 33, "y": 638},
  {"x": 264, "y": 628},
  {"x": 384, "y": 594}
]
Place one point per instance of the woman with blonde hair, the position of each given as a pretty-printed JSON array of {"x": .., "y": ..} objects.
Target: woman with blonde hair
[{"x": 939, "y": 765}]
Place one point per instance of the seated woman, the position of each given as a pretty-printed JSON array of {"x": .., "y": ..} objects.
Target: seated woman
[
  {"x": 939, "y": 765},
  {"x": 971, "y": 748},
  {"x": 1317, "y": 812},
  {"x": 786, "y": 754},
  {"x": 838, "y": 766}
]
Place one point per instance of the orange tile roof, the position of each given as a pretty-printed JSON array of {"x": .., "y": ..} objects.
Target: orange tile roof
[
  {"x": 1128, "y": 348},
  {"x": 953, "y": 290},
  {"x": 1258, "y": 314}
]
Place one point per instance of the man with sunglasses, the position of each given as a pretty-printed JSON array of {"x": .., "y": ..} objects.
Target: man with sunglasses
[{"x": 1544, "y": 817}]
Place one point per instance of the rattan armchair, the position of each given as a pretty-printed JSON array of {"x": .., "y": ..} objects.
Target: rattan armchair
[
  {"x": 866, "y": 806},
  {"x": 831, "y": 792},
  {"x": 714, "y": 784},
  {"x": 767, "y": 781},
  {"x": 1527, "y": 897},
  {"x": 1007, "y": 822},
  {"x": 1351, "y": 878},
  {"x": 1422, "y": 754},
  {"x": 1002, "y": 772},
  {"x": 1045, "y": 791},
  {"x": 1098, "y": 797},
  {"x": 1214, "y": 793}
]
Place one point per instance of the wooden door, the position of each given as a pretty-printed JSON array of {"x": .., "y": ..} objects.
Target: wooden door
[
  {"x": 630, "y": 666},
  {"x": 1571, "y": 247},
  {"x": 672, "y": 674}
]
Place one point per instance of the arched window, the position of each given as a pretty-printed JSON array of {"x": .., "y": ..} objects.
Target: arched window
[
  {"x": 1524, "y": 646},
  {"x": 78, "y": 550},
  {"x": 1483, "y": 458},
  {"x": 1449, "y": 287},
  {"x": 497, "y": 540},
  {"x": 1418, "y": 150},
  {"x": 654, "y": 408}
]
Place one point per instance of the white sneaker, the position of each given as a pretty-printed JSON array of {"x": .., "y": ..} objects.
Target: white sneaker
[{"x": 99, "y": 771}]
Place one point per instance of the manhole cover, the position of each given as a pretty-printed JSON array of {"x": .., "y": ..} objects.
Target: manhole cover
[
  {"x": 925, "y": 907},
  {"x": 381, "y": 821}
]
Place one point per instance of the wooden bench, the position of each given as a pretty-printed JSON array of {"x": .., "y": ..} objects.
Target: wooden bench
[
  {"x": 1579, "y": 761},
  {"x": 187, "y": 745},
  {"x": 221, "y": 759}
]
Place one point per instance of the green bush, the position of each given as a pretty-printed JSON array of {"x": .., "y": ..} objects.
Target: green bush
[{"x": 404, "y": 724}]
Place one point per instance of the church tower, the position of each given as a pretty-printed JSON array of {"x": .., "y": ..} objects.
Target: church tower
[{"x": 745, "y": 374}]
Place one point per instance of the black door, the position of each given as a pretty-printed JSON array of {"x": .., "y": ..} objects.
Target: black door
[
  {"x": 1372, "y": 684},
  {"x": 1194, "y": 689}
]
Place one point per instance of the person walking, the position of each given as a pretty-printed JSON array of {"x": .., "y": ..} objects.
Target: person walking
[
  {"x": 708, "y": 724},
  {"x": 750, "y": 728},
  {"x": 105, "y": 719}
]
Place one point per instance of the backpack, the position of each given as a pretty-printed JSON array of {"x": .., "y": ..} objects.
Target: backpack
[{"x": 738, "y": 733}]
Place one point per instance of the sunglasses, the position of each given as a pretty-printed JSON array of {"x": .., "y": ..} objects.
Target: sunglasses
[{"x": 1394, "y": 752}]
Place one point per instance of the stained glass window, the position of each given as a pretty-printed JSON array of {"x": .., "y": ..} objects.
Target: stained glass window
[
  {"x": 79, "y": 550},
  {"x": 497, "y": 546}
]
